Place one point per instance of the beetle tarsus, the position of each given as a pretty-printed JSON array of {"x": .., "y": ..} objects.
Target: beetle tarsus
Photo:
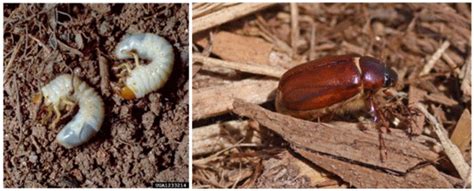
[{"x": 382, "y": 125}]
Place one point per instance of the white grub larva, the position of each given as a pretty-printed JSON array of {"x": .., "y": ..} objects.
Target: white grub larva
[
  {"x": 144, "y": 79},
  {"x": 64, "y": 90}
]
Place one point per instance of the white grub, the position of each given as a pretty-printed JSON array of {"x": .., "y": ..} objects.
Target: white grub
[
  {"x": 88, "y": 120},
  {"x": 144, "y": 79}
]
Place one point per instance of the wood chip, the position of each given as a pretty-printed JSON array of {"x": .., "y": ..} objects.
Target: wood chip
[
  {"x": 436, "y": 56},
  {"x": 461, "y": 136},
  {"x": 342, "y": 139},
  {"x": 13, "y": 57},
  {"x": 195, "y": 69},
  {"x": 352, "y": 48},
  {"x": 416, "y": 95},
  {"x": 225, "y": 15},
  {"x": 363, "y": 177},
  {"x": 213, "y": 101},
  {"x": 216, "y": 137},
  {"x": 441, "y": 99},
  {"x": 104, "y": 76},
  {"x": 238, "y": 48},
  {"x": 64, "y": 47},
  {"x": 295, "y": 32},
  {"x": 438, "y": 112},
  {"x": 466, "y": 78},
  {"x": 312, "y": 43},
  {"x": 265, "y": 33},
  {"x": 451, "y": 150},
  {"x": 288, "y": 171},
  {"x": 250, "y": 68}
]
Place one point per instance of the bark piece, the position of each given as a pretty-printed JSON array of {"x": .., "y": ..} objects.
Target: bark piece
[
  {"x": 416, "y": 95},
  {"x": 343, "y": 139},
  {"x": 213, "y": 101},
  {"x": 250, "y": 68},
  {"x": 225, "y": 15},
  {"x": 216, "y": 137},
  {"x": 363, "y": 177},
  {"x": 436, "y": 56},
  {"x": 441, "y": 99},
  {"x": 461, "y": 136},
  {"x": 238, "y": 48}
]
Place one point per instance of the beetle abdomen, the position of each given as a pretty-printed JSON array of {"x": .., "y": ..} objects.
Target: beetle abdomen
[{"x": 320, "y": 83}]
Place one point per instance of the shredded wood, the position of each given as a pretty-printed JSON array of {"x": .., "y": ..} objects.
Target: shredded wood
[
  {"x": 244, "y": 67},
  {"x": 427, "y": 44},
  {"x": 453, "y": 152},
  {"x": 224, "y": 15}
]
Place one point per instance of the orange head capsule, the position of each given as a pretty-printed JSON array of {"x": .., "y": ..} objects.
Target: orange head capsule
[
  {"x": 127, "y": 93},
  {"x": 37, "y": 98},
  {"x": 331, "y": 84}
]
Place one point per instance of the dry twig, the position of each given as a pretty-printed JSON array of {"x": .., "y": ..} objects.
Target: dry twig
[
  {"x": 226, "y": 15},
  {"x": 244, "y": 67},
  {"x": 453, "y": 152},
  {"x": 466, "y": 78},
  {"x": 436, "y": 56},
  {"x": 13, "y": 57},
  {"x": 295, "y": 32}
]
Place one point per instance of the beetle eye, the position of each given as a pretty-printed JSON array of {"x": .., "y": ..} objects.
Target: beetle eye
[{"x": 390, "y": 78}]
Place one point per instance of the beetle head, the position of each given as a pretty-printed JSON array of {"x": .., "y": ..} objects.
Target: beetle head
[{"x": 389, "y": 78}]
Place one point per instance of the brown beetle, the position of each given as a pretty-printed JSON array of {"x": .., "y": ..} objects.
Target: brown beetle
[{"x": 333, "y": 84}]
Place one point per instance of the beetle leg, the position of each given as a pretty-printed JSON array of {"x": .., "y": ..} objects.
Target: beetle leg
[
  {"x": 378, "y": 117},
  {"x": 121, "y": 76},
  {"x": 68, "y": 103},
  {"x": 382, "y": 126},
  {"x": 125, "y": 66},
  {"x": 57, "y": 118},
  {"x": 135, "y": 57},
  {"x": 124, "y": 70}
]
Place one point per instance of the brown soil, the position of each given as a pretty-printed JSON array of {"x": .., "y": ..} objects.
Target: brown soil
[
  {"x": 231, "y": 151},
  {"x": 141, "y": 141}
]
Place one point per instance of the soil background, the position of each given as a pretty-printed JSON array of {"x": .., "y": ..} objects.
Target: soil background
[
  {"x": 240, "y": 51},
  {"x": 141, "y": 141}
]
